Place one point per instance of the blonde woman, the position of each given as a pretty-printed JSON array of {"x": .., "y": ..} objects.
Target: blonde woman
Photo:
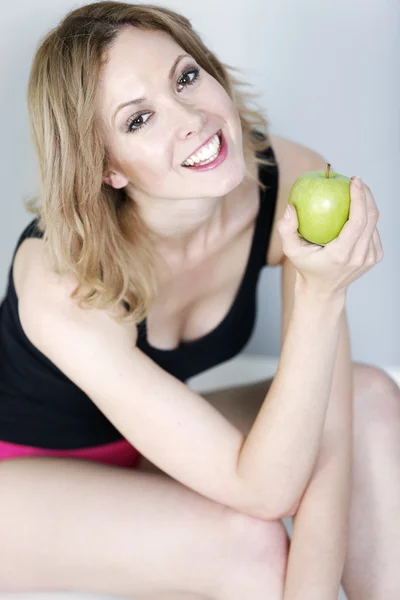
[{"x": 140, "y": 271}]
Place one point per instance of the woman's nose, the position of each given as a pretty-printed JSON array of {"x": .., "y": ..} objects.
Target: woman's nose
[{"x": 188, "y": 120}]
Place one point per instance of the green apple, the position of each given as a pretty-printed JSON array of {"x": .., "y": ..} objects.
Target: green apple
[{"x": 322, "y": 202}]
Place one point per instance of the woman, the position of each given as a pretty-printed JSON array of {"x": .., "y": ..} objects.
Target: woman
[{"x": 140, "y": 271}]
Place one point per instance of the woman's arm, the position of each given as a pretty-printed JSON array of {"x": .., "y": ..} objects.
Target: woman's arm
[
  {"x": 175, "y": 428},
  {"x": 292, "y": 419},
  {"x": 282, "y": 446},
  {"x": 320, "y": 525}
]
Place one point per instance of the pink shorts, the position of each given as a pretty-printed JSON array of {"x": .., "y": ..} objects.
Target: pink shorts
[{"x": 120, "y": 453}]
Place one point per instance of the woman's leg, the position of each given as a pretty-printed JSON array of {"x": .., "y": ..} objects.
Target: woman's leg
[
  {"x": 372, "y": 566},
  {"x": 73, "y": 525},
  {"x": 371, "y": 570}
]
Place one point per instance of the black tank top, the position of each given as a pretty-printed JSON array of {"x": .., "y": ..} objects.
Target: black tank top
[{"x": 40, "y": 406}]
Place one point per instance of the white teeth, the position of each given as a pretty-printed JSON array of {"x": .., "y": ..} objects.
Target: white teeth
[{"x": 211, "y": 150}]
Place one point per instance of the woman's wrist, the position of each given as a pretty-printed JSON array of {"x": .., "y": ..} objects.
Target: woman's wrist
[{"x": 314, "y": 295}]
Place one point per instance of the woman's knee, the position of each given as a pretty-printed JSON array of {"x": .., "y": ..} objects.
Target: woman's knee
[
  {"x": 254, "y": 559},
  {"x": 257, "y": 541},
  {"x": 376, "y": 397}
]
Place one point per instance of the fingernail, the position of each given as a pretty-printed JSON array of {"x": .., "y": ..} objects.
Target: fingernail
[
  {"x": 286, "y": 214},
  {"x": 358, "y": 182}
]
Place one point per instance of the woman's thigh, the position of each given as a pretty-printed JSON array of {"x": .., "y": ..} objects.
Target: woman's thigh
[{"x": 68, "y": 524}]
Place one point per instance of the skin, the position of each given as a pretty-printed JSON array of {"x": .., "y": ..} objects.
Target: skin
[{"x": 182, "y": 208}]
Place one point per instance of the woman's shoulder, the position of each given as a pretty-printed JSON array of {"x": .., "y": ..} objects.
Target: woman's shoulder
[
  {"x": 31, "y": 269},
  {"x": 293, "y": 159},
  {"x": 45, "y": 303}
]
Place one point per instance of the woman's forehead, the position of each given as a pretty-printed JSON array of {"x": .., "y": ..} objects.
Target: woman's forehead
[{"x": 137, "y": 44}]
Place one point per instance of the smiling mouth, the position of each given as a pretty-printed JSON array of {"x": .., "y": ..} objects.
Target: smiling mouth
[{"x": 207, "y": 160}]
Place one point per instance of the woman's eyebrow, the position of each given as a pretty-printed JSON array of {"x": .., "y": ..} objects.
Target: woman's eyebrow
[{"x": 143, "y": 98}]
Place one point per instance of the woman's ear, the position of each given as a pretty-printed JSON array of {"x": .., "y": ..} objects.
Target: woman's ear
[{"x": 115, "y": 180}]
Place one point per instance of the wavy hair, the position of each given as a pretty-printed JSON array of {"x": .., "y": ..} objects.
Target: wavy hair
[{"x": 86, "y": 224}]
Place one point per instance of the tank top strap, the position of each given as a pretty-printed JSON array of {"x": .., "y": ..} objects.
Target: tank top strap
[
  {"x": 269, "y": 175},
  {"x": 30, "y": 231}
]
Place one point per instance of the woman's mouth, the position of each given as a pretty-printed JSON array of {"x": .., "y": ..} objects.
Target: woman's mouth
[{"x": 209, "y": 157}]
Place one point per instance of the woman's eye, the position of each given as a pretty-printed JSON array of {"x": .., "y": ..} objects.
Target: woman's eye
[
  {"x": 195, "y": 71},
  {"x": 133, "y": 125},
  {"x": 133, "y": 121}
]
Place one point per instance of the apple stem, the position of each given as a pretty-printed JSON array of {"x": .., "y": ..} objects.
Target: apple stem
[{"x": 327, "y": 170}]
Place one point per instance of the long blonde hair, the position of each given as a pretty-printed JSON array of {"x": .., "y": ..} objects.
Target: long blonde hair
[{"x": 86, "y": 224}]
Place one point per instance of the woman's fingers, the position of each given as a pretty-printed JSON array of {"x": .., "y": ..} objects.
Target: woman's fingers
[
  {"x": 292, "y": 243},
  {"x": 371, "y": 254},
  {"x": 378, "y": 245},
  {"x": 364, "y": 242},
  {"x": 375, "y": 250},
  {"x": 344, "y": 244}
]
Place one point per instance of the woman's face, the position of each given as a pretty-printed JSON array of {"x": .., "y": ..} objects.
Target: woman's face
[{"x": 149, "y": 140}]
